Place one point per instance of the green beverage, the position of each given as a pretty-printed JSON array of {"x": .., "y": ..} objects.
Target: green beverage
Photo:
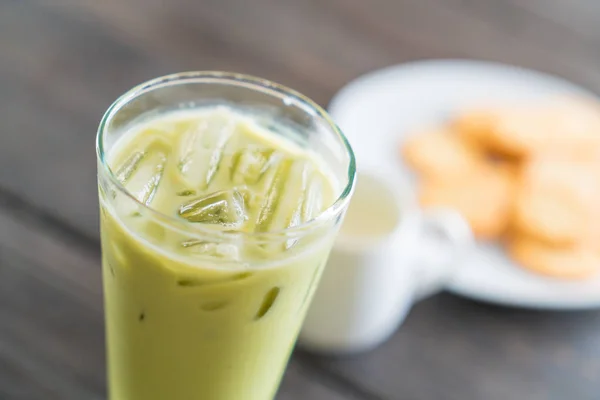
[{"x": 218, "y": 212}]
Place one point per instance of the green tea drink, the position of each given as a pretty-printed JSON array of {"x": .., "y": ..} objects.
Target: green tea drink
[{"x": 194, "y": 308}]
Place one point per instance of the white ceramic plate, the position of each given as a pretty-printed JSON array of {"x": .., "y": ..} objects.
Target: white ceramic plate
[{"x": 378, "y": 109}]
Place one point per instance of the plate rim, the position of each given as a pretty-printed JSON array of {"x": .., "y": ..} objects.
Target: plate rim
[{"x": 430, "y": 62}]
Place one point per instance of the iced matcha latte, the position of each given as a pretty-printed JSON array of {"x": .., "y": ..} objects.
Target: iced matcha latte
[{"x": 220, "y": 196}]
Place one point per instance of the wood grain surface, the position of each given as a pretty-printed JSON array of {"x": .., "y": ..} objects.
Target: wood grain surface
[{"x": 63, "y": 62}]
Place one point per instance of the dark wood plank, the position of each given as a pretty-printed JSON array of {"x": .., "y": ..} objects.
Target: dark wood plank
[
  {"x": 52, "y": 330},
  {"x": 51, "y": 334},
  {"x": 50, "y": 109},
  {"x": 450, "y": 348}
]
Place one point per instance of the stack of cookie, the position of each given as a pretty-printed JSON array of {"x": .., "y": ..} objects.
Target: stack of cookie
[{"x": 525, "y": 175}]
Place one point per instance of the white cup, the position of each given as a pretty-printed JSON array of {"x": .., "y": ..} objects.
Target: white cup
[{"x": 388, "y": 255}]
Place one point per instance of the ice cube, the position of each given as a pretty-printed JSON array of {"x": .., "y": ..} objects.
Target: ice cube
[
  {"x": 251, "y": 199},
  {"x": 214, "y": 305},
  {"x": 295, "y": 198},
  {"x": 267, "y": 302},
  {"x": 227, "y": 251},
  {"x": 290, "y": 209},
  {"x": 224, "y": 208},
  {"x": 141, "y": 173},
  {"x": 295, "y": 202},
  {"x": 201, "y": 148},
  {"x": 129, "y": 166},
  {"x": 274, "y": 192},
  {"x": 186, "y": 193},
  {"x": 248, "y": 166},
  {"x": 313, "y": 198}
]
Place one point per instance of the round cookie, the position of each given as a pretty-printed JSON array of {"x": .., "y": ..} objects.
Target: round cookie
[
  {"x": 508, "y": 131},
  {"x": 483, "y": 196},
  {"x": 568, "y": 125},
  {"x": 438, "y": 153},
  {"x": 557, "y": 200},
  {"x": 570, "y": 262},
  {"x": 574, "y": 127}
]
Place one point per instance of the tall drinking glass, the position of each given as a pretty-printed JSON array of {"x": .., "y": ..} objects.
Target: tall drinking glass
[{"x": 214, "y": 232}]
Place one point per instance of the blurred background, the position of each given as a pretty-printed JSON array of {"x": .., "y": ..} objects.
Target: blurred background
[{"x": 63, "y": 62}]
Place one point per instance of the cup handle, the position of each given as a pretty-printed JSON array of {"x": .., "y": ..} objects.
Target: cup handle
[{"x": 444, "y": 236}]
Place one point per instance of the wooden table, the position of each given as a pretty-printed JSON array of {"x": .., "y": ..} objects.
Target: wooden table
[{"x": 61, "y": 65}]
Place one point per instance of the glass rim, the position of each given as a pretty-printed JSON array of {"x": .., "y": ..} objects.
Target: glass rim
[{"x": 234, "y": 79}]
